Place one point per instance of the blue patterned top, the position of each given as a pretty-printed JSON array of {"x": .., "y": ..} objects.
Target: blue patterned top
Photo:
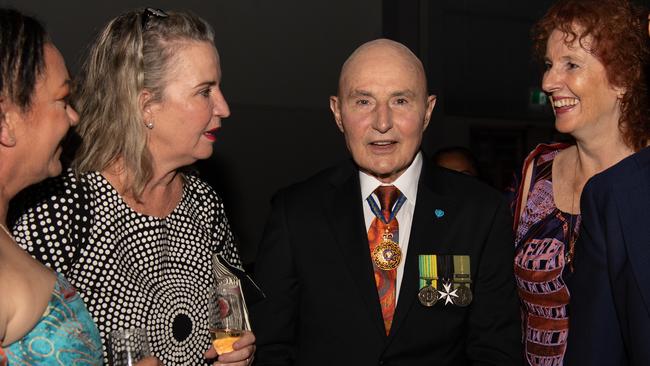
[{"x": 65, "y": 335}]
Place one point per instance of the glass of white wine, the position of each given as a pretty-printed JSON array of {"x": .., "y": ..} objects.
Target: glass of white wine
[{"x": 225, "y": 316}]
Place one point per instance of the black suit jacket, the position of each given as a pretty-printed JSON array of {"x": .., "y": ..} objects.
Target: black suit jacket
[
  {"x": 322, "y": 306},
  {"x": 610, "y": 289}
]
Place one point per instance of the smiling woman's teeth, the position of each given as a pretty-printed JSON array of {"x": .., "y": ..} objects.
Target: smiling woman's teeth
[{"x": 565, "y": 102}]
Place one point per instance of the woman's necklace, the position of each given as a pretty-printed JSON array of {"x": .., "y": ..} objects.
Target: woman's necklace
[{"x": 571, "y": 236}]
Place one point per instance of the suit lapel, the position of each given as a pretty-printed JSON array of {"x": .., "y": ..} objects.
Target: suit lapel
[
  {"x": 633, "y": 205},
  {"x": 345, "y": 217},
  {"x": 427, "y": 230}
]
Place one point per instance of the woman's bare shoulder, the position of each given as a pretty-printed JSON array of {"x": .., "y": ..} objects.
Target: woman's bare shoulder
[{"x": 28, "y": 285}]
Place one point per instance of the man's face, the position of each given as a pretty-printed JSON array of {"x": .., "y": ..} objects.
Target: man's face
[{"x": 382, "y": 109}]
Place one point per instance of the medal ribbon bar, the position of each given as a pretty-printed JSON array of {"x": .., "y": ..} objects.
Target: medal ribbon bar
[{"x": 428, "y": 271}]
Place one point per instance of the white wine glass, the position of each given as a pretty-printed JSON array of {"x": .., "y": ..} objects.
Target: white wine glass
[{"x": 225, "y": 316}]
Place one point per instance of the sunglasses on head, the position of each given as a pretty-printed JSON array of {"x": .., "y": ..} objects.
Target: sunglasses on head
[{"x": 149, "y": 13}]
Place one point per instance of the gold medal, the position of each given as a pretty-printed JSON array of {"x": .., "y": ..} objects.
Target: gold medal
[
  {"x": 387, "y": 254},
  {"x": 428, "y": 296}
]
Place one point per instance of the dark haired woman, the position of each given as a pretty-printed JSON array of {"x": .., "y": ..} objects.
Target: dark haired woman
[{"x": 43, "y": 321}]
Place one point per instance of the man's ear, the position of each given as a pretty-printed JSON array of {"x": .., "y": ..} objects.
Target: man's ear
[
  {"x": 431, "y": 103},
  {"x": 8, "y": 116},
  {"x": 336, "y": 110}
]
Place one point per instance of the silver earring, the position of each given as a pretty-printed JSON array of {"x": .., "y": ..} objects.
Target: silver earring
[{"x": 149, "y": 125}]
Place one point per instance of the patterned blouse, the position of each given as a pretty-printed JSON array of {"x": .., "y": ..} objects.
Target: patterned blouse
[
  {"x": 134, "y": 270},
  {"x": 542, "y": 243}
]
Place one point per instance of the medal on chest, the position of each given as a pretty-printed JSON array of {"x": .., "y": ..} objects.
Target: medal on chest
[{"x": 445, "y": 279}]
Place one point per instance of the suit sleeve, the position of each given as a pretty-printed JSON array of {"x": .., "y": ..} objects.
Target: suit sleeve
[
  {"x": 274, "y": 318},
  {"x": 593, "y": 320},
  {"x": 494, "y": 328}
]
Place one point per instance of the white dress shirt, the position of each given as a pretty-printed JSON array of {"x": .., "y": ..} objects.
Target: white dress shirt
[{"x": 407, "y": 183}]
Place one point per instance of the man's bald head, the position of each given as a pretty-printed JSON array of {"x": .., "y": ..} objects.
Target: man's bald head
[
  {"x": 382, "y": 107},
  {"x": 380, "y": 51}
]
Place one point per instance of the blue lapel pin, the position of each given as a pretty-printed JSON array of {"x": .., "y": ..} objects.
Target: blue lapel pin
[{"x": 439, "y": 213}]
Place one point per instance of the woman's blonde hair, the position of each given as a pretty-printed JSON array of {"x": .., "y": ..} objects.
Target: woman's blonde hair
[{"x": 132, "y": 53}]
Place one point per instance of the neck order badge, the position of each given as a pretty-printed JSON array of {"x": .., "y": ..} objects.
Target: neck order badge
[
  {"x": 383, "y": 237},
  {"x": 386, "y": 255}
]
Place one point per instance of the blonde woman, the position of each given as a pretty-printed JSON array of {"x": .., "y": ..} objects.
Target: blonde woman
[{"x": 132, "y": 231}]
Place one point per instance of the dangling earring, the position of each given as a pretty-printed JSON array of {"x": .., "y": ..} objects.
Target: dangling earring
[{"x": 149, "y": 125}]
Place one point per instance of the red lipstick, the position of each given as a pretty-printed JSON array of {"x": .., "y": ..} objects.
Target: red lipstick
[{"x": 211, "y": 134}]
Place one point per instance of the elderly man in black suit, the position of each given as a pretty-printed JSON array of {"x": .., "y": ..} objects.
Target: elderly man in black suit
[{"x": 386, "y": 259}]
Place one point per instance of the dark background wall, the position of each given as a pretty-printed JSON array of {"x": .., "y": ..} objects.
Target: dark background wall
[{"x": 280, "y": 62}]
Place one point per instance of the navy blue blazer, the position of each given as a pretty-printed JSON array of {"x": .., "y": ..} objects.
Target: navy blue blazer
[{"x": 610, "y": 290}]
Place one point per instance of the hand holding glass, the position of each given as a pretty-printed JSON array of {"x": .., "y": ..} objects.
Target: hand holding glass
[{"x": 225, "y": 316}]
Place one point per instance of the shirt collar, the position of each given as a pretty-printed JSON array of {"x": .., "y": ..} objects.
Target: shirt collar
[{"x": 407, "y": 183}]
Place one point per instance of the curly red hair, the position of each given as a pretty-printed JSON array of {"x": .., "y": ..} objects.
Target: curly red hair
[{"x": 618, "y": 37}]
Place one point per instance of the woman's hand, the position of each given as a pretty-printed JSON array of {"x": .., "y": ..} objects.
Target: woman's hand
[{"x": 242, "y": 354}]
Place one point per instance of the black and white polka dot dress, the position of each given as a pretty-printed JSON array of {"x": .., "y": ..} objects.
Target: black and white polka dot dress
[{"x": 134, "y": 270}]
